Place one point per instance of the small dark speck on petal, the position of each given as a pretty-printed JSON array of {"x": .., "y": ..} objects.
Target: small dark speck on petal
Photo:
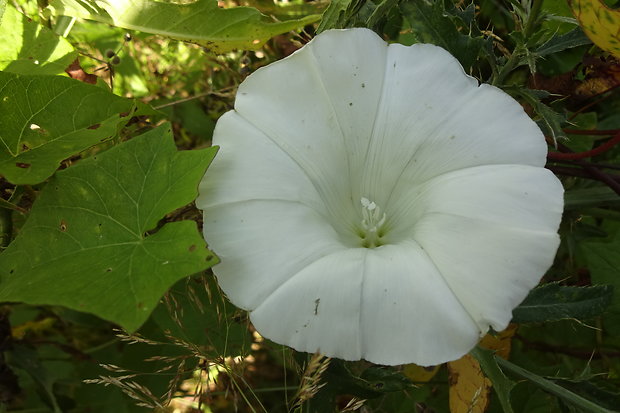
[
  {"x": 350, "y": 103},
  {"x": 363, "y": 84}
]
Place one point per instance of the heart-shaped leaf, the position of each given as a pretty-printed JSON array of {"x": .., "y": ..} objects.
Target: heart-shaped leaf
[
  {"x": 27, "y": 47},
  {"x": 45, "y": 119},
  {"x": 88, "y": 243}
]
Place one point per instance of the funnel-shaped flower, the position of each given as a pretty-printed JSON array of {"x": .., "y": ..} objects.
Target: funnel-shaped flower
[{"x": 373, "y": 201}]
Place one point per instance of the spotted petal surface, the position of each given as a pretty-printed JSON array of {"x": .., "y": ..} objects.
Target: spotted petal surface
[{"x": 372, "y": 201}]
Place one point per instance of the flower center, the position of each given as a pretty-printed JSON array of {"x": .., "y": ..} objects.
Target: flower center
[{"x": 372, "y": 230}]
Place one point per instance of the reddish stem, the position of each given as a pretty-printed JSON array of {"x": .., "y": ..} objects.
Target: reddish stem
[
  {"x": 592, "y": 132},
  {"x": 593, "y": 152}
]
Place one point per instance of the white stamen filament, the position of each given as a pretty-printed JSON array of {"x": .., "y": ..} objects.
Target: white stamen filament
[{"x": 372, "y": 220}]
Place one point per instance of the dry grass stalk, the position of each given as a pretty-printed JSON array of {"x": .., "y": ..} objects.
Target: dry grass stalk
[{"x": 311, "y": 380}]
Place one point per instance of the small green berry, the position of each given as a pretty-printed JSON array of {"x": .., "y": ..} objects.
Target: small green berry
[{"x": 115, "y": 60}]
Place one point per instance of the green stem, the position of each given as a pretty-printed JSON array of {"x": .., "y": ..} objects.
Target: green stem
[
  {"x": 532, "y": 18},
  {"x": 530, "y": 24},
  {"x": 552, "y": 388},
  {"x": 508, "y": 67}
]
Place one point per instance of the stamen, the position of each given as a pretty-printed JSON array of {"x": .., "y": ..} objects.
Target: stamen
[{"x": 372, "y": 220}]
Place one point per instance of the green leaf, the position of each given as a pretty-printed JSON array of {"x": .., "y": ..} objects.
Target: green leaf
[
  {"x": 595, "y": 196},
  {"x": 585, "y": 388},
  {"x": 282, "y": 10},
  {"x": 552, "y": 302},
  {"x": 501, "y": 384},
  {"x": 201, "y": 22},
  {"x": 45, "y": 119},
  {"x": 550, "y": 121},
  {"x": 335, "y": 16},
  {"x": 28, "y": 360},
  {"x": 381, "y": 11},
  {"x": 29, "y": 48},
  {"x": 603, "y": 260},
  {"x": 556, "y": 44},
  {"x": 2, "y": 8},
  {"x": 549, "y": 386},
  {"x": 432, "y": 24},
  {"x": 88, "y": 243}
]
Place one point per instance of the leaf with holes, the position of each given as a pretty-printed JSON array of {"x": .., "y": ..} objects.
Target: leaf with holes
[
  {"x": 27, "y": 47},
  {"x": 45, "y": 119},
  {"x": 91, "y": 242},
  {"x": 201, "y": 22}
]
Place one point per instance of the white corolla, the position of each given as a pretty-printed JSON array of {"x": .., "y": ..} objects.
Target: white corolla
[{"x": 372, "y": 201}]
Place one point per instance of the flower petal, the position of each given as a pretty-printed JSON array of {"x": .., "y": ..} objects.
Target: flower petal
[
  {"x": 319, "y": 105},
  {"x": 318, "y": 310},
  {"x": 409, "y": 313},
  {"x": 246, "y": 166},
  {"x": 489, "y": 267},
  {"x": 500, "y": 194},
  {"x": 434, "y": 119},
  {"x": 262, "y": 244}
]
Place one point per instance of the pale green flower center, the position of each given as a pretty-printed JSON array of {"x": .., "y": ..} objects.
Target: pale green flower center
[{"x": 372, "y": 229}]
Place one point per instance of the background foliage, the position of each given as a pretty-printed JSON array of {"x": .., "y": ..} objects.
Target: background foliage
[{"x": 106, "y": 115}]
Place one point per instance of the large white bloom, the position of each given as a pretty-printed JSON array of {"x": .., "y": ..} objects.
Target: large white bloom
[{"x": 373, "y": 201}]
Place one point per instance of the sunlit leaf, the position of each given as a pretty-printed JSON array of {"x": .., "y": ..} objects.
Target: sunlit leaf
[
  {"x": 2, "y": 8},
  {"x": 201, "y": 22},
  {"x": 29, "y": 48},
  {"x": 45, "y": 119},
  {"x": 88, "y": 242},
  {"x": 552, "y": 302},
  {"x": 600, "y": 23}
]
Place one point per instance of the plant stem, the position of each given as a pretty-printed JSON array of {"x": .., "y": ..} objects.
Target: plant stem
[
  {"x": 530, "y": 24},
  {"x": 552, "y": 388},
  {"x": 532, "y": 18}
]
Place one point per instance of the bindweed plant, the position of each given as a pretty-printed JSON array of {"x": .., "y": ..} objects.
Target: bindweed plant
[{"x": 308, "y": 206}]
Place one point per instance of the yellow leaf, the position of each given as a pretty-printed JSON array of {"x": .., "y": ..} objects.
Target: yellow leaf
[
  {"x": 419, "y": 374},
  {"x": 500, "y": 342},
  {"x": 600, "y": 23},
  {"x": 469, "y": 388}
]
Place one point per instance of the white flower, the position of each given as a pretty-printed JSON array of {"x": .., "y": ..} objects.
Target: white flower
[{"x": 373, "y": 201}]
